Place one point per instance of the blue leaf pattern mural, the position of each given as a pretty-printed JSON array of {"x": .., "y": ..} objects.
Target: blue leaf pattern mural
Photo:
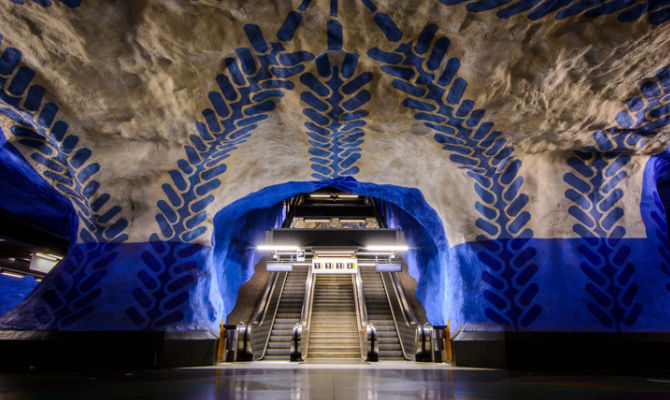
[
  {"x": 473, "y": 145},
  {"x": 64, "y": 161},
  {"x": 657, "y": 12},
  {"x": 594, "y": 180}
]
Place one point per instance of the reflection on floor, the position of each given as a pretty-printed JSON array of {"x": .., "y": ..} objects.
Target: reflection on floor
[{"x": 332, "y": 380}]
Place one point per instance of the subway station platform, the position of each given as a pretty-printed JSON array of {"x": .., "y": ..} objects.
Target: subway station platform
[{"x": 327, "y": 380}]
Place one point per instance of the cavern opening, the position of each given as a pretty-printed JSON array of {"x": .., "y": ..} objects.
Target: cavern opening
[{"x": 307, "y": 275}]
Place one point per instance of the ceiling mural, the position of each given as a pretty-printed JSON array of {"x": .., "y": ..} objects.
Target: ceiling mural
[{"x": 519, "y": 122}]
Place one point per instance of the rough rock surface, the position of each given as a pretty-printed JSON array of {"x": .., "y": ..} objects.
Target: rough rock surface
[
  {"x": 528, "y": 126},
  {"x": 131, "y": 80}
]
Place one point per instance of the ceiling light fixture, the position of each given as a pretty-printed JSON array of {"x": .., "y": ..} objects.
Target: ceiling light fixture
[
  {"x": 387, "y": 248},
  {"x": 13, "y": 274},
  {"x": 50, "y": 257},
  {"x": 317, "y": 220},
  {"x": 272, "y": 247}
]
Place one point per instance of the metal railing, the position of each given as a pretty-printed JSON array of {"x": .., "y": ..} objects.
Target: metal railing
[
  {"x": 405, "y": 321},
  {"x": 259, "y": 327},
  {"x": 417, "y": 341},
  {"x": 367, "y": 332},
  {"x": 300, "y": 334}
]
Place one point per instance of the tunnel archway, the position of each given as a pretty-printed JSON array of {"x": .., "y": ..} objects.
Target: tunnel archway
[
  {"x": 655, "y": 207},
  {"x": 241, "y": 225}
]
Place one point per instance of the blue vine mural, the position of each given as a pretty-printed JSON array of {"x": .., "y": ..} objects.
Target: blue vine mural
[
  {"x": 335, "y": 122},
  {"x": 171, "y": 271},
  {"x": 657, "y": 12},
  {"x": 248, "y": 90},
  {"x": 437, "y": 100},
  {"x": 66, "y": 163},
  {"x": 72, "y": 291},
  {"x": 49, "y": 3},
  {"x": 168, "y": 275},
  {"x": 335, "y": 100},
  {"x": 660, "y": 233},
  {"x": 594, "y": 180}
]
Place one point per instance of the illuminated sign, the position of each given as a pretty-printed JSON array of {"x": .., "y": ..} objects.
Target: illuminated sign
[
  {"x": 333, "y": 265},
  {"x": 279, "y": 267},
  {"x": 389, "y": 267}
]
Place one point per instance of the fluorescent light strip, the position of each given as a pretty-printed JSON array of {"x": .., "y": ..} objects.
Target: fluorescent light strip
[
  {"x": 317, "y": 220},
  {"x": 271, "y": 247},
  {"x": 320, "y": 195},
  {"x": 347, "y": 196},
  {"x": 387, "y": 248},
  {"x": 320, "y": 252},
  {"x": 49, "y": 256},
  {"x": 15, "y": 275}
]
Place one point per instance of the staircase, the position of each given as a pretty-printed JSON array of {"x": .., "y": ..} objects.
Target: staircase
[
  {"x": 379, "y": 313},
  {"x": 288, "y": 314},
  {"x": 333, "y": 327}
]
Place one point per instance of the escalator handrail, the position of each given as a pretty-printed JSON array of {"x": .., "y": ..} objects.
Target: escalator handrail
[
  {"x": 408, "y": 314},
  {"x": 261, "y": 309},
  {"x": 394, "y": 301},
  {"x": 274, "y": 291},
  {"x": 306, "y": 312},
  {"x": 362, "y": 313}
]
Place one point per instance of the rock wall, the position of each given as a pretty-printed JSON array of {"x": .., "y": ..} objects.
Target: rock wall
[{"x": 525, "y": 129}]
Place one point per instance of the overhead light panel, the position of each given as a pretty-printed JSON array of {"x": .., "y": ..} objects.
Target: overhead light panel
[
  {"x": 273, "y": 247},
  {"x": 50, "y": 257},
  {"x": 347, "y": 196},
  {"x": 320, "y": 195},
  {"x": 334, "y": 251},
  {"x": 317, "y": 220},
  {"x": 44, "y": 263},
  {"x": 387, "y": 248},
  {"x": 352, "y": 220},
  {"x": 389, "y": 267},
  {"x": 12, "y": 274},
  {"x": 279, "y": 267}
]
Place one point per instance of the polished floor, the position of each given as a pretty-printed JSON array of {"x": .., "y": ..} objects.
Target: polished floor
[{"x": 283, "y": 380}]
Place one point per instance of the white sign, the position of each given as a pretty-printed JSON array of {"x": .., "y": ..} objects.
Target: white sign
[
  {"x": 43, "y": 262},
  {"x": 332, "y": 265},
  {"x": 392, "y": 267},
  {"x": 279, "y": 267}
]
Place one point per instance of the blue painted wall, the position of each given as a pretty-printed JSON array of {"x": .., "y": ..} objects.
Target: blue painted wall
[
  {"x": 242, "y": 225},
  {"x": 505, "y": 278},
  {"x": 14, "y": 290},
  {"x": 26, "y": 194},
  {"x": 571, "y": 284}
]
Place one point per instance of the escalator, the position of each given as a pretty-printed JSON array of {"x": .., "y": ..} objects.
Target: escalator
[
  {"x": 326, "y": 298},
  {"x": 288, "y": 314},
  {"x": 379, "y": 314}
]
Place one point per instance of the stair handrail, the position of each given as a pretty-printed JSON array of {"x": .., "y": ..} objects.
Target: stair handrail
[
  {"x": 403, "y": 317},
  {"x": 263, "y": 318},
  {"x": 261, "y": 308},
  {"x": 424, "y": 343},
  {"x": 300, "y": 335},
  {"x": 244, "y": 350},
  {"x": 367, "y": 333},
  {"x": 295, "y": 349},
  {"x": 408, "y": 313},
  {"x": 371, "y": 337}
]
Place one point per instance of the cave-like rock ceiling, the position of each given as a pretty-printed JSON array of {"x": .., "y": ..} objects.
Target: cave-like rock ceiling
[{"x": 130, "y": 107}]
